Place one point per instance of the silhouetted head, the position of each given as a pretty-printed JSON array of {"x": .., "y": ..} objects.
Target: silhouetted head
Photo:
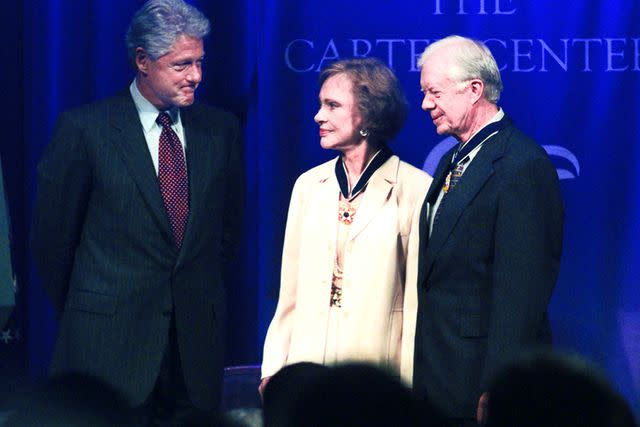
[
  {"x": 552, "y": 390},
  {"x": 356, "y": 395},
  {"x": 286, "y": 388},
  {"x": 72, "y": 400}
]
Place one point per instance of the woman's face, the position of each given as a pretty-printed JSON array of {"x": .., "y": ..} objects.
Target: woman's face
[{"x": 338, "y": 115}]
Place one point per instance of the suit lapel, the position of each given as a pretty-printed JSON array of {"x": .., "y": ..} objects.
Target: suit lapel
[
  {"x": 199, "y": 169},
  {"x": 129, "y": 139},
  {"x": 376, "y": 194},
  {"x": 432, "y": 194},
  {"x": 439, "y": 176},
  {"x": 434, "y": 189},
  {"x": 327, "y": 192},
  {"x": 477, "y": 173}
]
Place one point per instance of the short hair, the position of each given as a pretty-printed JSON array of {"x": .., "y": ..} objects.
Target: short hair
[
  {"x": 72, "y": 399},
  {"x": 357, "y": 394},
  {"x": 286, "y": 391},
  {"x": 552, "y": 389},
  {"x": 378, "y": 95},
  {"x": 158, "y": 23},
  {"x": 474, "y": 61}
]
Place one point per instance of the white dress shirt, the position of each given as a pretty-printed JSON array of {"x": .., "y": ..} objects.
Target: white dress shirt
[
  {"x": 148, "y": 114},
  {"x": 466, "y": 161}
]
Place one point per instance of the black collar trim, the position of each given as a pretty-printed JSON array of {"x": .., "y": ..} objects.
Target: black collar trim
[{"x": 374, "y": 164}]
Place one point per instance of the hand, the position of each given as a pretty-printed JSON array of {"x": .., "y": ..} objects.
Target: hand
[
  {"x": 262, "y": 386},
  {"x": 483, "y": 408}
]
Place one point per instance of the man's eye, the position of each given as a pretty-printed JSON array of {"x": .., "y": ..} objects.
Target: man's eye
[{"x": 180, "y": 67}]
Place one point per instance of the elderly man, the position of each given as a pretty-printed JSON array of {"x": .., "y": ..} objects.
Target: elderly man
[
  {"x": 138, "y": 205},
  {"x": 490, "y": 235}
]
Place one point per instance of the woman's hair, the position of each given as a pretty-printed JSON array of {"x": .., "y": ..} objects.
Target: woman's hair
[{"x": 378, "y": 96}]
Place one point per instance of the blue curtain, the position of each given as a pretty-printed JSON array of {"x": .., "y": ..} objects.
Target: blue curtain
[
  {"x": 12, "y": 360},
  {"x": 572, "y": 81}
]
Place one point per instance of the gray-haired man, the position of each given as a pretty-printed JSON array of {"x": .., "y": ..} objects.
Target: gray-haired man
[
  {"x": 138, "y": 203},
  {"x": 490, "y": 235}
]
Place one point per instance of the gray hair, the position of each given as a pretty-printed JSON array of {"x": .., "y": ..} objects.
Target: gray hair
[
  {"x": 473, "y": 60},
  {"x": 158, "y": 23}
]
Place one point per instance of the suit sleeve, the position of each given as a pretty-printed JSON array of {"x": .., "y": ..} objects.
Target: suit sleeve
[
  {"x": 234, "y": 196},
  {"x": 528, "y": 243},
  {"x": 276, "y": 344},
  {"x": 410, "y": 306},
  {"x": 64, "y": 182}
]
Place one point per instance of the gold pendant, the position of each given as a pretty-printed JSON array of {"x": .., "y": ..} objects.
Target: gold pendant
[{"x": 336, "y": 296}]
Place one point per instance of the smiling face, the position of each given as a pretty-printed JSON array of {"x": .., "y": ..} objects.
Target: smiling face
[
  {"x": 338, "y": 115},
  {"x": 450, "y": 103},
  {"x": 172, "y": 79}
]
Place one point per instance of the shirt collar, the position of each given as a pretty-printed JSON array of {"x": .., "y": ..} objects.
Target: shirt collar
[
  {"x": 147, "y": 111},
  {"x": 496, "y": 118}
]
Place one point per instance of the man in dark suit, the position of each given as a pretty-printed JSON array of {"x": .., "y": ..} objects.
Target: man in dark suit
[
  {"x": 490, "y": 235},
  {"x": 138, "y": 206}
]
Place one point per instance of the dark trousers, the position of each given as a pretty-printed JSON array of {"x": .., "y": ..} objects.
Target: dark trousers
[{"x": 169, "y": 403}]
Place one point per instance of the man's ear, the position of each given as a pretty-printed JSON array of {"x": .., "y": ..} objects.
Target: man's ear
[
  {"x": 477, "y": 89},
  {"x": 142, "y": 60}
]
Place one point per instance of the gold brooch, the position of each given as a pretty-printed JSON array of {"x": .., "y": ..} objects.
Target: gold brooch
[{"x": 346, "y": 213}]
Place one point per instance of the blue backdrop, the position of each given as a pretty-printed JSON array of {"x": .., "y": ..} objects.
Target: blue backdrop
[{"x": 572, "y": 81}]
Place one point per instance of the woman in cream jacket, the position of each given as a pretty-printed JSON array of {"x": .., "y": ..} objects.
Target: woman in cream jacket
[{"x": 347, "y": 289}]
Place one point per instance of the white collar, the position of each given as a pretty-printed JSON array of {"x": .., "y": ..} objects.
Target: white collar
[
  {"x": 496, "y": 118},
  {"x": 147, "y": 111}
]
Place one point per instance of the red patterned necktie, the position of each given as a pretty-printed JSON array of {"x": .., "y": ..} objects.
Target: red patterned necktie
[{"x": 172, "y": 174}]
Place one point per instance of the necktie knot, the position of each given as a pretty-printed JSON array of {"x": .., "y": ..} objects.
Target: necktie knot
[{"x": 164, "y": 119}]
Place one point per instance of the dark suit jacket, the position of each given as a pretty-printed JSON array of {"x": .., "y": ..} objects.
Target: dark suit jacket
[
  {"x": 103, "y": 243},
  {"x": 487, "y": 271}
]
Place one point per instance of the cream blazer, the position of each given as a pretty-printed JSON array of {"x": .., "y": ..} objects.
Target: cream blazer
[{"x": 379, "y": 303}]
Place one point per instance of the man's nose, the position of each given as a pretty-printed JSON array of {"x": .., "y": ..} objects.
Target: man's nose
[
  {"x": 427, "y": 103},
  {"x": 195, "y": 74}
]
